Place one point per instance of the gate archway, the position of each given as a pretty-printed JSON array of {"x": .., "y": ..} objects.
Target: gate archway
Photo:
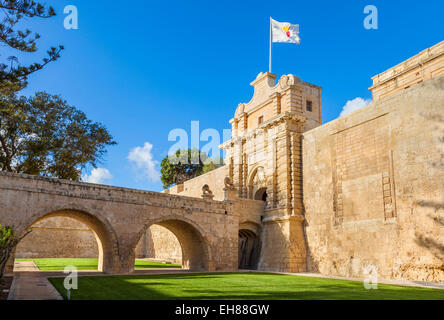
[{"x": 249, "y": 246}]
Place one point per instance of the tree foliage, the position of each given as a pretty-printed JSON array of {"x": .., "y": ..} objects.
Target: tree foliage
[
  {"x": 43, "y": 135},
  {"x": 40, "y": 135},
  {"x": 8, "y": 241},
  {"x": 191, "y": 163},
  {"x": 13, "y": 76}
]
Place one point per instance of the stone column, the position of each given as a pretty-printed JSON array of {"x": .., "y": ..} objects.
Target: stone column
[
  {"x": 234, "y": 127},
  {"x": 242, "y": 124},
  {"x": 271, "y": 175},
  {"x": 124, "y": 263},
  {"x": 9, "y": 268},
  {"x": 283, "y": 169},
  {"x": 238, "y": 168},
  {"x": 296, "y": 174}
]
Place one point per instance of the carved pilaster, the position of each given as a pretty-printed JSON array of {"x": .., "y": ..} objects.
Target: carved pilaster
[
  {"x": 283, "y": 171},
  {"x": 296, "y": 174},
  {"x": 292, "y": 99},
  {"x": 276, "y": 101},
  {"x": 245, "y": 176},
  {"x": 234, "y": 127}
]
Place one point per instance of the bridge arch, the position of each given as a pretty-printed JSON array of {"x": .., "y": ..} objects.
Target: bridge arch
[
  {"x": 196, "y": 252},
  {"x": 104, "y": 233}
]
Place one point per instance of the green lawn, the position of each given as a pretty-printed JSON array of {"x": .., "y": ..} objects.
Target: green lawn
[
  {"x": 250, "y": 286},
  {"x": 89, "y": 264}
]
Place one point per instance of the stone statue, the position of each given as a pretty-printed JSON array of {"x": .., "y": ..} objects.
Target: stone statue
[
  {"x": 206, "y": 189},
  {"x": 206, "y": 192},
  {"x": 228, "y": 184}
]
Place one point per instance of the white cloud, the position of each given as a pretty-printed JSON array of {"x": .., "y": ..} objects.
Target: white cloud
[
  {"x": 98, "y": 175},
  {"x": 353, "y": 105},
  {"x": 143, "y": 159}
]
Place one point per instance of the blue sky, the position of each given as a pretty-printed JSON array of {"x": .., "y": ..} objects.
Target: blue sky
[{"x": 152, "y": 66}]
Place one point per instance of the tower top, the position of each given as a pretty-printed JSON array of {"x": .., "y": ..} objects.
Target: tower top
[{"x": 270, "y": 99}]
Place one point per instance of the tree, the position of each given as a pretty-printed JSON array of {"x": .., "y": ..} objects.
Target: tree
[
  {"x": 43, "y": 135},
  {"x": 8, "y": 241},
  {"x": 14, "y": 78},
  {"x": 173, "y": 173},
  {"x": 212, "y": 164}
]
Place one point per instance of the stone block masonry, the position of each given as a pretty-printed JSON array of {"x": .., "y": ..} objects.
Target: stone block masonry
[{"x": 373, "y": 191}]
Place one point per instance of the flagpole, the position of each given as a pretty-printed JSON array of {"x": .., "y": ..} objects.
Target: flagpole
[{"x": 269, "y": 58}]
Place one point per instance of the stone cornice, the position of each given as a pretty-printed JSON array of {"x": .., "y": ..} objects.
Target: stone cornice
[
  {"x": 277, "y": 219},
  {"x": 286, "y": 116}
]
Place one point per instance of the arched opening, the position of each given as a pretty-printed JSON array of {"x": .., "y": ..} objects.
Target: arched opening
[
  {"x": 261, "y": 194},
  {"x": 67, "y": 237},
  {"x": 193, "y": 246},
  {"x": 257, "y": 184},
  {"x": 249, "y": 249},
  {"x": 158, "y": 246}
]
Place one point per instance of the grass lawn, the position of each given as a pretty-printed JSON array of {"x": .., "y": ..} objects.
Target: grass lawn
[
  {"x": 89, "y": 264},
  {"x": 250, "y": 286}
]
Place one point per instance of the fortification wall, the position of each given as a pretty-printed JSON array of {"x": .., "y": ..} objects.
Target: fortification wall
[
  {"x": 426, "y": 65},
  {"x": 193, "y": 188},
  {"x": 58, "y": 238},
  {"x": 373, "y": 188},
  {"x": 159, "y": 243}
]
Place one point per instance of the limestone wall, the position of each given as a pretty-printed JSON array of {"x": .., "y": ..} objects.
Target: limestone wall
[
  {"x": 193, "y": 187},
  {"x": 425, "y": 65},
  {"x": 59, "y": 237},
  {"x": 373, "y": 188},
  {"x": 159, "y": 243}
]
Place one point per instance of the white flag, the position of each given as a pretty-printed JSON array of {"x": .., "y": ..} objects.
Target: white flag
[{"x": 285, "y": 32}]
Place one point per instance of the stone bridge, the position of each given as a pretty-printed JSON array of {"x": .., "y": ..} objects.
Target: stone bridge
[{"x": 207, "y": 230}]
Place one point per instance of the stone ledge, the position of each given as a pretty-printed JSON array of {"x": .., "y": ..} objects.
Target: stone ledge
[
  {"x": 112, "y": 194},
  {"x": 276, "y": 219}
]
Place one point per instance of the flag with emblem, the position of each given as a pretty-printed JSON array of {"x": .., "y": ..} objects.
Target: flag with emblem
[{"x": 285, "y": 32}]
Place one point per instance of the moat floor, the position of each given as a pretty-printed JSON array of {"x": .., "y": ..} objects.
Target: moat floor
[
  {"x": 172, "y": 283},
  {"x": 54, "y": 264},
  {"x": 232, "y": 286}
]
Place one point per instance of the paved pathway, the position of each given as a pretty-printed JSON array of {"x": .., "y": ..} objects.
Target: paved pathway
[
  {"x": 32, "y": 286},
  {"x": 20, "y": 266}
]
